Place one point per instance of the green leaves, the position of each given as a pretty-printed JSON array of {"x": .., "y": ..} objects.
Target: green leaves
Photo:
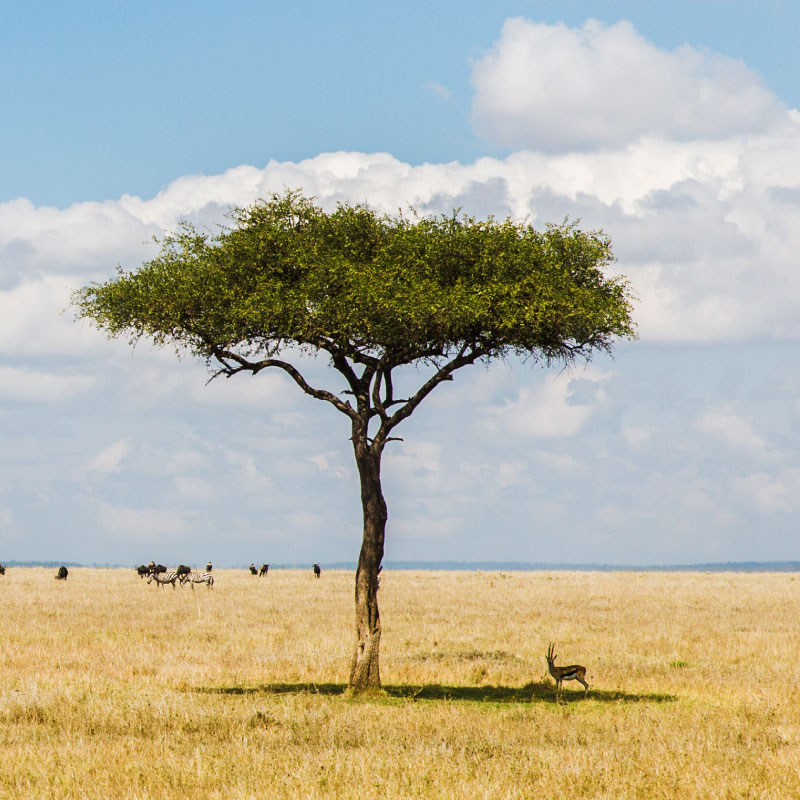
[{"x": 364, "y": 283}]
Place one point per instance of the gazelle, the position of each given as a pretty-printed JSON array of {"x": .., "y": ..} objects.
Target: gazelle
[{"x": 574, "y": 672}]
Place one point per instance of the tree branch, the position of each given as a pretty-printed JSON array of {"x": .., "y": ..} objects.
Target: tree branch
[
  {"x": 384, "y": 376},
  {"x": 345, "y": 348},
  {"x": 224, "y": 356},
  {"x": 468, "y": 354}
]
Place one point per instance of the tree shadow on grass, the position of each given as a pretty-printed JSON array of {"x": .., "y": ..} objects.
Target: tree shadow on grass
[{"x": 542, "y": 692}]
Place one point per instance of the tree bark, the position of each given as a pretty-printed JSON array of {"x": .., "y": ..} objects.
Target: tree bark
[{"x": 365, "y": 668}]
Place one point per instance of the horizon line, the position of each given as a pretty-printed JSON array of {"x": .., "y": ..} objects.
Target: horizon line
[{"x": 511, "y": 566}]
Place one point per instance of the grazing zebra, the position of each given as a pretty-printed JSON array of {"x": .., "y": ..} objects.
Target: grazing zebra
[
  {"x": 163, "y": 577},
  {"x": 200, "y": 577}
]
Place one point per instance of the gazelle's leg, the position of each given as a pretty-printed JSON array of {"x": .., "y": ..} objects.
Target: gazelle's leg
[{"x": 585, "y": 686}]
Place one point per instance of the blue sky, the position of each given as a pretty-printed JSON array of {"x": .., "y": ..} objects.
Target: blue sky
[
  {"x": 672, "y": 127},
  {"x": 102, "y": 99}
]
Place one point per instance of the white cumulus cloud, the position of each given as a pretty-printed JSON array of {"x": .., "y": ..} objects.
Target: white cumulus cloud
[
  {"x": 730, "y": 428},
  {"x": 548, "y": 409},
  {"x": 110, "y": 458},
  {"x": 706, "y": 232},
  {"x": 556, "y": 88},
  {"x": 772, "y": 493}
]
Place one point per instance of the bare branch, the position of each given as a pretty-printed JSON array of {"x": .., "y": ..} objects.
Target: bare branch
[
  {"x": 468, "y": 354},
  {"x": 339, "y": 357},
  {"x": 345, "y": 348},
  {"x": 383, "y": 376},
  {"x": 224, "y": 356}
]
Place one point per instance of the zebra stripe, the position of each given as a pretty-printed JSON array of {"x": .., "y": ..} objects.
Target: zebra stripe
[
  {"x": 162, "y": 578},
  {"x": 199, "y": 577}
]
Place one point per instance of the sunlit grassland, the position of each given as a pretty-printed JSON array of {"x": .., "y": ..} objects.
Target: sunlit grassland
[{"x": 112, "y": 688}]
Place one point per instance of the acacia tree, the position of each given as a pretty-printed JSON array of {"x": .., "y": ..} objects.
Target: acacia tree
[{"x": 373, "y": 293}]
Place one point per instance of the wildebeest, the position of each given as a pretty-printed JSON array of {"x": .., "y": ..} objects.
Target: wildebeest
[
  {"x": 2, "y": 570},
  {"x": 156, "y": 569},
  {"x": 253, "y": 570},
  {"x": 62, "y": 573},
  {"x": 183, "y": 572},
  {"x": 317, "y": 570},
  {"x": 142, "y": 570},
  {"x": 263, "y": 571},
  {"x": 209, "y": 567}
]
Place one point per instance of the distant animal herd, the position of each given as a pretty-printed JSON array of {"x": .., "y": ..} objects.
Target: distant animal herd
[{"x": 181, "y": 574}]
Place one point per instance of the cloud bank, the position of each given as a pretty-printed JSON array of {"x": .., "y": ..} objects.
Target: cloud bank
[{"x": 706, "y": 232}]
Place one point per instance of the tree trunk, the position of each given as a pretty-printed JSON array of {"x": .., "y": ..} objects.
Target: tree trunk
[{"x": 365, "y": 670}]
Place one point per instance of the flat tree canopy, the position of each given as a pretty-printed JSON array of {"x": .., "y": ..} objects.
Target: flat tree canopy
[{"x": 373, "y": 292}]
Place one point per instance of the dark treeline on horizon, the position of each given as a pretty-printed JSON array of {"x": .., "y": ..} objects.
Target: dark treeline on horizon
[{"x": 485, "y": 566}]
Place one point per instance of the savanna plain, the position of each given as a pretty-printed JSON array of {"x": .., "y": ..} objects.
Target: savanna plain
[{"x": 111, "y": 688}]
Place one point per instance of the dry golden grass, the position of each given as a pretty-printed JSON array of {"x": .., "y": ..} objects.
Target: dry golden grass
[{"x": 110, "y": 688}]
